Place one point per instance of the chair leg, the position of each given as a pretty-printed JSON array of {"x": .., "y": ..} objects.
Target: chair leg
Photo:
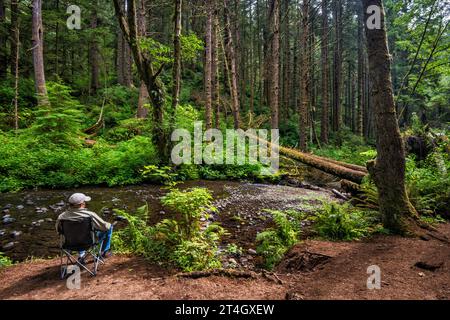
[
  {"x": 98, "y": 258},
  {"x": 94, "y": 252},
  {"x": 63, "y": 268}
]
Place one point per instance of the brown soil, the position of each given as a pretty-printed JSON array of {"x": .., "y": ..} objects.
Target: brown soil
[{"x": 312, "y": 270}]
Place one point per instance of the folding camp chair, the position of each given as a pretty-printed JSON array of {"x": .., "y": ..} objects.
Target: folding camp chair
[{"x": 79, "y": 235}]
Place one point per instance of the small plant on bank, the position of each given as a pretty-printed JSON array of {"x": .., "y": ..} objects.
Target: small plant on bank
[
  {"x": 182, "y": 242},
  {"x": 275, "y": 242},
  {"x": 341, "y": 222},
  {"x": 192, "y": 205},
  {"x": 234, "y": 250},
  {"x": 161, "y": 175},
  {"x": 135, "y": 237},
  {"x": 4, "y": 261}
]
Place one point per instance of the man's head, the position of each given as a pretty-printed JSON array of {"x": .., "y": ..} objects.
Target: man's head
[{"x": 78, "y": 200}]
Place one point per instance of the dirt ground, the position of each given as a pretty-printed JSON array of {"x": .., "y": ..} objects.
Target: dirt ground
[{"x": 312, "y": 270}]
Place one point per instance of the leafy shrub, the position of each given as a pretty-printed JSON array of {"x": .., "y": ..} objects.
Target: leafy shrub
[
  {"x": 135, "y": 237},
  {"x": 128, "y": 129},
  {"x": 428, "y": 183},
  {"x": 234, "y": 250},
  {"x": 187, "y": 172},
  {"x": 191, "y": 204},
  {"x": 341, "y": 222},
  {"x": 120, "y": 104},
  {"x": 26, "y": 165},
  {"x": 191, "y": 46},
  {"x": 197, "y": 254},
  {"x": 161, "y": 175},
  {"x": 58, "y": 124},
  {"x": 4, "y": 261},
  {"x": 122, "y": 164},
  {"x": 182, "y": 243},
  {"x": 275, "y": 242},
  {"x": 186, "y": 116}
]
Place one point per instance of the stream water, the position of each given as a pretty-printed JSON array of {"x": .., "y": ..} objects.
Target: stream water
[{"x": 27, "y": 225}]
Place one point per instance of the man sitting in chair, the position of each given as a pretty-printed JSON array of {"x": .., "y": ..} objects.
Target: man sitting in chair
[{"x": 78, "y": 211}]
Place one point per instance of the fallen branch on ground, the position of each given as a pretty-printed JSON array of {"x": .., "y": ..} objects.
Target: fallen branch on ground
[
  {"x": 231, "y": 273},
  {"x": 219, "y": 272}
]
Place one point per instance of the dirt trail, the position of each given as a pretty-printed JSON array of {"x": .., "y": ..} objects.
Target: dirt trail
[{"x": 342, "y": 276}]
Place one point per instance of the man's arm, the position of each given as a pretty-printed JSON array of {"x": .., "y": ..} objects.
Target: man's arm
[
  {"x": 58, "y": 225},
  {"x": 99, "y": 223}
]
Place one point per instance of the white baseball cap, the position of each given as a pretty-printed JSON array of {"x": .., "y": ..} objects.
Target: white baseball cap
[{"x": 79, "y": 198}]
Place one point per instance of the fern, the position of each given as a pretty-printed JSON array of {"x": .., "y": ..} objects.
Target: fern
[{"x": 275, "y": 242}]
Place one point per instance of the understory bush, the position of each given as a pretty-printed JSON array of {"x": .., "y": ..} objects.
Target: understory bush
[
  {"x": 27, "y": 165},
  {"x": 4, "y": 261},
  {"x": 428, "y": 183},
  {"x": 342, "y": 222},
  {"x": 183, "y": 242},
  {"x": 350, "y": 152},
  {"x": 273, "y": 243},
  {"x": 168, "y": 175}
]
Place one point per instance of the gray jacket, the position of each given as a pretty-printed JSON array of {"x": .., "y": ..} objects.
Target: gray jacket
[{"x": 76, "y": 214}]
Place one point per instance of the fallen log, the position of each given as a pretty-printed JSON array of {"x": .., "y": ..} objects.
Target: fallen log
[
  {"x": 100, "y": 122},
  {"x": 324, "y": 165},
  {"x": 340, "y": 195},
  {"x": 350, "y": 187},
  {"x": 344, "y": 164},
  {"x": 345, "y": 171}
]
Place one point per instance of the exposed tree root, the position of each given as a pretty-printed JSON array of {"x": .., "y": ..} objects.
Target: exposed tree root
[
  {"x": 231, "y": 273},
  {"x": 272, "y": 277},
  {"x": 219, "y": 272},
  {"x": 92, "y": 130}
]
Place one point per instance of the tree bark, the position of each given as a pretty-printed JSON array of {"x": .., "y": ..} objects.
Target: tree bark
[
  {"x": 120, "y": 57},
  {"x": 274, "y": 63},
  {"x": 93, "y": 53},
  {"x": 128, "y": 24},
  {"x": 208, "y": 66},
  {"x": 304, "y": 78},
  {"x": 124, "y": 63},
  {"x": 231, "y": 57},
  {"x": 215, "y": 70},
  {"x": 361, "y": 74},
  {"x": 337, "y": 81},
  {"x": 388, "y": 170},
  {"x": 325, "y": 75},
  {"x": 15, "y": 46},
  {"x": 287, "y": 67},
  {"x": 14, "y": 43},
  {"x": 3, "y": 40},
  {"x": 142, "y": 111},
  {"x": 176, "y": 71},
  {"x": 38, "y": 53}
]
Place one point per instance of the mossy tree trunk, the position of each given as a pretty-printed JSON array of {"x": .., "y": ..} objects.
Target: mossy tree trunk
[
  {"x": 388, "y": 170},
  {"x": 37, "y": 38},
  {"x": 144, "y": 64}
]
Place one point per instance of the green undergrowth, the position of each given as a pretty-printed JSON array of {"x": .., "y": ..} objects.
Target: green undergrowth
[
  {"x": 183, "y": 242},
  {"x": 332, "y": 221},
  {"x": 4, "y": 261}
]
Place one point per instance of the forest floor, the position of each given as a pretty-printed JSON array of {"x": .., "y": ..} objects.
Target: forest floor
[{"x": 312, "y": 270}]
